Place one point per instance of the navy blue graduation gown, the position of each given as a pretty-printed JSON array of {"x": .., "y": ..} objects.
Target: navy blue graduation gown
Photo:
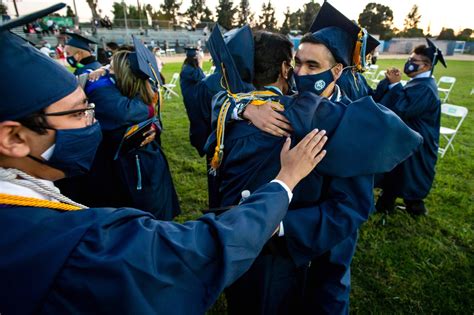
[
  {"x": 354, "y": 85},
  {"x": 418, "y": 105},
  {"x": 140, "y": 178},
  {"x": 197, "y": 101},
  {"x": 123, "y": 261},
  {"x": 329, "y": 205},
  {"x": 89, "y": 64}
]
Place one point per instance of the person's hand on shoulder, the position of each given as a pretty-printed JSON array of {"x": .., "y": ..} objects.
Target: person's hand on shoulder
[{"x": 268, "y": 118}]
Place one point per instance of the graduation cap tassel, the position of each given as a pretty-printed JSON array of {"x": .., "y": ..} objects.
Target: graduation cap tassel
[
  {"x": 435, "y": 56},
  {"x": 358, "y": 56}
]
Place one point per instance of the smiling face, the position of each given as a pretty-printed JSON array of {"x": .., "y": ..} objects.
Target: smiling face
[{"x": 312, "y": 58}]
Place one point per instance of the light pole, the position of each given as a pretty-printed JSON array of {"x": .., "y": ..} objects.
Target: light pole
[
  {"x": 139, "y": 15},
  {"x": 76, "y": 18}
]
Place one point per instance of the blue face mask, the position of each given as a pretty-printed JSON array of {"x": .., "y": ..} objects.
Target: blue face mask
[
  {"x": 74, "y": 150},
  {"x": 315, "y": 83},
  {"x": 410, "y": 67}
]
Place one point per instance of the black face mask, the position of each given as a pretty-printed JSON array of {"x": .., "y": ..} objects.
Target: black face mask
[{"x": 410, "y": 67}]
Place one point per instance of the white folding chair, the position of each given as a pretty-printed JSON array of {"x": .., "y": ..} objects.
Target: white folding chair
[
  {"x": 448, "y": 133},
  {"x": 371, "y": 71},
  {"x": 169, "y": 87},
  {"x": 445, "y": 85},
  {"x": 380, "y": 76}
]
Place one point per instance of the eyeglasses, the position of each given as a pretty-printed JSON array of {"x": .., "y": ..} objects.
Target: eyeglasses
[{"x": 87, "y": 113}]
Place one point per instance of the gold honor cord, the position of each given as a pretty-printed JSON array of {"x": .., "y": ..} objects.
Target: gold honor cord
[
  {"x": 256, "y": 98},
  {"x": 13, "y": 200},
  {"x": 356, "y": 53}
]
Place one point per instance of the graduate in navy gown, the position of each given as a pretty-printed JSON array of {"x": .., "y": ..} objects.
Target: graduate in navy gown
[
  {"x": 140, "y": 177},
  {"x": 334, "y": 200},
  {"x": 190, "y": 76},
  {"x": 197, "y": 95},
  {"x": 60, "y": 257},
  {"x": 79, "y": 54},
  {"x": 418, "y": 104}
]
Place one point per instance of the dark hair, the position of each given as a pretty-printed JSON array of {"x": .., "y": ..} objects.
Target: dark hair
[
  {"x": 191, "y": 61},
  {"x": 36, "y": 122},
  {"x": 308, "y": 38},
  {"x": 126, "y": 48},
  {"x": 102, "y": 57},
  {"x": 422, "y": 50},
  {"x": 271, "y": 50},
  {"x": 112, "y": 45}
]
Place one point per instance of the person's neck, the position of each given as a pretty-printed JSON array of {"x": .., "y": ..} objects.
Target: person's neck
[
  {"x": 33, "y": 168},
  {"x": 279, "y": 85}
]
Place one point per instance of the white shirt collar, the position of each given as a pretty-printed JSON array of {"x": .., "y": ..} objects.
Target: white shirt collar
[
  {"x": 425, "y": 74},
  {"x": 272, "y": 87},
  {"x": 18, "y": 190}
]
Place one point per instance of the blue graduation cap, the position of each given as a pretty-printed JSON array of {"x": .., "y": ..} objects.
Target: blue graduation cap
[
  {"x": 434, "y": 53},
  {"x": 143, "y": 63},
  {"x": 232, "y": 78},
  {"x": 79, "y": 41},
  {"x": 348, "y": 43},
  {"x": 32, "y": 81},
  {"x": 241, "y": 46},
  {"x": 191, "y": 52}
]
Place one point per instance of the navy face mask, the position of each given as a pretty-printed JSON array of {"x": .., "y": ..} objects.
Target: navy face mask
[
  {"x": 410, "y": 67},
  {"x": 315, "y": 83},
  {"x": 74, "y": 150}
]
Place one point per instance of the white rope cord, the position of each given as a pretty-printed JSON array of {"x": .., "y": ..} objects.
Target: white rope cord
[{"x": 11, "y": 175}]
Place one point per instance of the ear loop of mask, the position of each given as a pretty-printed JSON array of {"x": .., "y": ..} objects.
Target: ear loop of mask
[
  {"x": 325, "y": 92},
  {"x": 291, "y": 80}
]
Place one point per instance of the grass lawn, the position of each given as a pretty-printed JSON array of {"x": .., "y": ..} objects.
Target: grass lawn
[{"x": 402, "y": 264}]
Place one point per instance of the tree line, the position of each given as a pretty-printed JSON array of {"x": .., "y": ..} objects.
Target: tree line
[{"x": 376, "y": 18}]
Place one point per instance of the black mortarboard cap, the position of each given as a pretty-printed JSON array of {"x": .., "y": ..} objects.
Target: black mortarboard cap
[
  {"x": 329, "y": 27},
  {"x": 32, "y": 81},
  {"x": 225, "y": 63},
  {"x": 143, "y": 62},
  {"x": 435, "y": 53},
  {"x": 79, "y": 41},
  {"x": 191, "y": 51},
  {"x": 241, "y": 46}
]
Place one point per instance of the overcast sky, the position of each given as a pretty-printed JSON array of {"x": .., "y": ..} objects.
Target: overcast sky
[{"x": 456, "y": 14}]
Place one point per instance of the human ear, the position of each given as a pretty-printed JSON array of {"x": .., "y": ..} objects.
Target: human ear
[
  {"x": 13, "y": 140},
  {"x": 337, "y": 71}
]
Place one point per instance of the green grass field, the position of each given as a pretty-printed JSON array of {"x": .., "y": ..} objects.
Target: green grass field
[{"x": 402, "y": 264}]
